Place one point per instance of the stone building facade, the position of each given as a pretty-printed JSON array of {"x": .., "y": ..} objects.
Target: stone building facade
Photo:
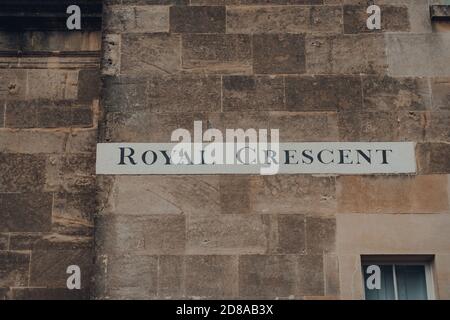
[{"x": 309, "y": 68}]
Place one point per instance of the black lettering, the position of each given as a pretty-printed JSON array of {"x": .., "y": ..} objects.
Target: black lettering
[
  {"x": 344, "y": 156},
  {"x": 308, "y": 156},
  {"x": 319, "y": 156},
  {"x": 129, "y": 156},
  {"x": 166, "y": 156},
  {"x": 144, "y": 157},
  {"x": 365, "y": 156},
  {"x": 289, "y": 156},
  {"x": 384, "y": 155}
]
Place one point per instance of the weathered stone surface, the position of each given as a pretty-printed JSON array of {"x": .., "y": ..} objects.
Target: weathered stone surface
[
  {"x": 24, "y": 241},
  {"x": 48, "y": 267},
  {"x": 278, "y": 54},
  {"x": 4, "y": 241},
  {"x": 48, "y": 294},
  {"x": 293, "y": 194},
  {"x": 78, "y": 207},
  {"x": 61, "y": 84},
  {"x": 394, "y": 19},
  {"x": 392, "y": 194},
  {"x": 25, "y": 212},
  {"x": 211, "y": 276},
  {"x": 184, "y": 94},
  {"x": 331, "y": 270},
  {"x": 155, "y": 53},
  {"x": 12, "y": 84},
  {"x": 176, "y": 93},
  {"x": 129, "y": 19},
  {"x": 438, "y": 128},
  {"x": 409, "y": 54},
  {"x": 197, "y": 19},
  {"x": 329, "y": 54},
  {"x": 165, "y": 195},
  {"x": 323, "y": 93},
  {"x": 320, "y": 235},
  {"x": 21, "y": 172},
  {"x": 88, "y": 85},
  {"x": 291, "y": 233},
  {"x": 410, "y": 234},
  {"x": 267, "y": 276},
  {"x": 171, "y": 277},
  {"x": 390, "y": 94},
  {"x": 133, "y": 271},
  {"x": 305, "y": 126},
  {"x": 368, "y": 126},
  {"x": 47, "y": 114},
  {"x": 247, "y": 93},
  {"x": 311, "y": 275},
  {"x": 217, "y": 53},
  {"x": 151, "y": 234},
  {"x": 32, "y": 142},
  {"x": 433, "y": 158},
  {"x": 292, "y": 19},
  {"x": 14, "y": 268},
  {"x": 111, "y": 54},
  {"x": 226, "y": 234},
  {"x": 441, "y": 94}
]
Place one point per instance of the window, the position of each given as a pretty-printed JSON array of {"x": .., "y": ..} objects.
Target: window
[{"x": 389, "y": 278}]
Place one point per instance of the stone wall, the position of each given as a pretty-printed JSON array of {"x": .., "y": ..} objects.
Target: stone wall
[
  {"x": 309, "y": 68},
  {"x": 49, "y": 106}
]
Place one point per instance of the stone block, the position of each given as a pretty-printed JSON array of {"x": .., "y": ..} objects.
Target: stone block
[
  {"x": 433, "y": 158},
  {"x": 48, "y": 267},
  {"x": 14, "y": 267},
  {"x": 441, "y": 94},
  {"x": 131, "y": 19},
  {"x": 305, "y": 126},
  {"x": 32, "y": 142},
  {"x": 368, "y": 126},
  {"x": 291, "y": 234},
  {"x": 280, "y": 19},
  {"x": 320, "y": 235},
  {"x": 89, "y": 85},
  {"x": 267, "y": 276},
  {"x": 24, "y": 241},
  {"x": 111, "y": 54},
  {"x": 171, "y": 277},
  {"x": 253, "y": 93},
  {"x": 4, "y": 241},
  {"x": 124, "y": 93},
  {"x": 25, "y": 212},
  {"x": 389, "y": 234},
  {"x": 331, "y": 271},
  {"x": 438, "y": 128},
  {"x": 197, "y": 19},
  {"x": 289, "y": 194},
  {"x": 21, "y": 172},
  {"x": 385, "y": 93},
  {"x": 217, "y": 53},
  {"x": 235, "y": 195},
  {"x": 394, "y": 19},
  {"x": 323, "y": 93},
  {"x": 155, "y": 53},
  {"x": 226, "y": 234},
  {"x": 164, "y": 234},
  {"x": 279, "y": 54},
  {"x": 196, "y": 93},
  {"x": 329, "y": 54},
  {"x": 165, "y": 195},
  {"x": 211, "y": 276},
  {"x": 60, "y": 84},
  {"x": 133, "y": 271},
  {"x": 418, "y": 54},
  {"x": 392, "y": 194},
  {"x": 311, "y": 275},
  {"x": 13, "y": 84}
]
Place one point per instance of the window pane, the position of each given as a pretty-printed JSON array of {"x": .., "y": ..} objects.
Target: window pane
[
  {"x": 411, "y": 282},
  {"x": 386, "y": 292}
]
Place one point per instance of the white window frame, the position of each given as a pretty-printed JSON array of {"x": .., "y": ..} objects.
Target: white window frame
[{"x": 429, "y": 279}]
